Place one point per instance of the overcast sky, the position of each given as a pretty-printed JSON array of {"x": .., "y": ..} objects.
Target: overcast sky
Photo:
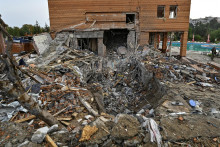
[{"x": 19, "y": 12}]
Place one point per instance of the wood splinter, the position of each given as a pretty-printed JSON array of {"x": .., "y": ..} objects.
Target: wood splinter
[{"x": 50, "y": 141}]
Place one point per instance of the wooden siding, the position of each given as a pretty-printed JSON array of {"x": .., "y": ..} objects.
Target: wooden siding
[
  {"x": 65, "y": 13},
  {"x": 105, "y": 17},
  {"x": 111, "y": 14}
]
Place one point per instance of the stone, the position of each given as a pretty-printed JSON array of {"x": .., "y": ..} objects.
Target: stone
[
  {"x": 108, "y": 143},
  {"x": 126, "y": 126},
  {"x": 186, "y": 73},
  {"x": 53, "y": 128},
  {"x": 122, "y": 50},
  {"x": 24, "y": 143},
  {"x": 102, "y": 133},
  {"x": 132, "y": 142},
  {"x": 39, "y": 135},
  {"x": 8, "y": 144},
  {"x": 42, "y": 42}
]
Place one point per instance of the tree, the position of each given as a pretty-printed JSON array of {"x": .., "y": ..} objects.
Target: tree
[
  {"x": 190, "y": 34},
  {"x": 28, "y": 29},
  {"x": 215, "y": 35},
  {"x": 16, "y": 31},
  {"x": 46, "y": 28},
  {"x": 10, "y": 30},
  {"x": 37, "y": 28},
  {"x": 25, "y": 30},
  {"x": 198, "y": 38}
]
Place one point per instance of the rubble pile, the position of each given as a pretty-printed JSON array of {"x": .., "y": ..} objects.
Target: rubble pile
[{"x": 142, "y": 98}]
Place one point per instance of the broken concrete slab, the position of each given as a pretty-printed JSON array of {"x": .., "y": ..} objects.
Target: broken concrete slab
[
  {"x": 126, "y": 126},
  {"x": 42, "y": 42},
  {"x": 39, "y": 135}
]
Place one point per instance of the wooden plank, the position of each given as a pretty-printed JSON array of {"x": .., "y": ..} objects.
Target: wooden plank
[
  {"x": 50, "y": 141},
  {"x": 26, "y": 119},
  {"x": 65, "y": 118}
]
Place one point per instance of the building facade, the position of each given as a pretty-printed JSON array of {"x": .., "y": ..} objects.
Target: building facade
[{"x": 107, "y": 24}]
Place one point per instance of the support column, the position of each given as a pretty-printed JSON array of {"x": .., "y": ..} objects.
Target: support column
[
  {"x": 164, "y": 46},
  {"x": 101, "y": 47},
  {"x": 156, "y": 40},
  {"x": 144, "y": 38},
  {"x": 2, "y": 43},
  {"x": 131, "y": 40},
  {"x": 183, "y": 47}
]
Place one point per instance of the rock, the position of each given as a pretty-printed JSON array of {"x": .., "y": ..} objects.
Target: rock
[
  {"x": 88, "y": 116},
  {"x": 53, "y": 128},
  {"x": 102, "y": 133},
  {"x": 31, "y": 144},
  {"x": 39, "y": 135},
  {"x": 8, "y": 144},
  {"x": 24, "y": 143},
  {"x": 108, "y": 143},
  {"x": 132, "y": 142},
  {"x": 85, "y": 122},
  {"x": 126, "y": 126},
  {"x": 75, "y": 114},
  {"x": 122, "y": 50},
  {"x": 42, "y": 42},
  {"x": 184, "y": 72}
]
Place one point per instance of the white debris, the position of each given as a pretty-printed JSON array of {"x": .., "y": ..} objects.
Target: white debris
[
  {"x": 53, "y": 128},
  {"x": 154, "y": 131},
  {"x": 88, "y": 116},
  {"x": 39, "y": 135}
]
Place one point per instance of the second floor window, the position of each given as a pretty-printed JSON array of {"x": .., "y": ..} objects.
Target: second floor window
[
  {"x": 160, "y": 11},
  {"x": 173, "y": 11}
]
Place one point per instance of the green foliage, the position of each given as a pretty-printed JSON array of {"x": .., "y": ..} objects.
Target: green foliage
[
  {"x": 215, "y": 35},
  {"x": 201, "y": 31},
  {"x": 190, "y": 34},
  {"x": 198, "y": 38},
  {"x": 27, "y": 29}
]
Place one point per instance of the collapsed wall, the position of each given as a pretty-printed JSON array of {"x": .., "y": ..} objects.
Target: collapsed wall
[{"x": 128, "y": 84}]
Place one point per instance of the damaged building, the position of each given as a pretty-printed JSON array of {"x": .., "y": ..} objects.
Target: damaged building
[
  {"x": 104, "y": 25},
  {"x": 2, "y": 37},
  {"x": 77, "y": 88}
]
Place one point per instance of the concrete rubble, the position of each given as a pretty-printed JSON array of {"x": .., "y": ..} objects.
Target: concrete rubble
[{"x": 135, "y": 97}]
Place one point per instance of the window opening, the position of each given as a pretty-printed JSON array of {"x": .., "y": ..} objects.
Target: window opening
[
  {"x": 160, "y": 11},
  {"x": 130, "y": 18},
  {"x": 173, "y": 11}
]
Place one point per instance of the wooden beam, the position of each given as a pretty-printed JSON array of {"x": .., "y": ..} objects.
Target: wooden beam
[
  {"x": 183, "y": 47},
  {"x": 164, "y": 47},
  {"x": 50, "y": 141},
  {"x": 26, "y": 119}
]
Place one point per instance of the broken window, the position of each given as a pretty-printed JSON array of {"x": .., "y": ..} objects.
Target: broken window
[
  {"x": 160, "y": 11},
  {"x": 173, "y": 11},
  {"x": 83, "y": 43},
  {"x": 130, "y": 18},
  {"x": 88, "y": 43}
]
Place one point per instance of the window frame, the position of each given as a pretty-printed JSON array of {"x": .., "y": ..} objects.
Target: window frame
[
  {"x": 134, "y": 18},
  {"x": 164, "y": 9},
  {"x": 176, "y": 10}
]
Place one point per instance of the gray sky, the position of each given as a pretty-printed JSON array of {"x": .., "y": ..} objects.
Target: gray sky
[{"x": 19, "y": 12}]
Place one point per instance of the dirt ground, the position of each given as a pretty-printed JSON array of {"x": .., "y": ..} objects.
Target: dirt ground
[{"x": 195, "y": 55}]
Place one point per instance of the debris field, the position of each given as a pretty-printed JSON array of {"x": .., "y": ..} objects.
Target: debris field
[{"x": 137, "y": 97}]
